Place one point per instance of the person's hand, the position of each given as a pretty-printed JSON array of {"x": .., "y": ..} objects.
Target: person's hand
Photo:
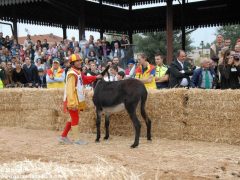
[
  {"x": 73, "y": 108},
  {"x": 236, "y": 63},
  {"x": 99, "y": 76}
]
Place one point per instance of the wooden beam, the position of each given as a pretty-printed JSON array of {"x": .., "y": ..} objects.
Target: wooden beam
[
  {"x": 81, "y": 20},
  {"x": 169, "y": 31},
  {"x": 130, "y": 31},
  {"x": 64, "y": 27},
  {"x": 183, "y": 26}
]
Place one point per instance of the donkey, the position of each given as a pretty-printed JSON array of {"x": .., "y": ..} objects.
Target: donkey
[{"x": 111, "y": 97}]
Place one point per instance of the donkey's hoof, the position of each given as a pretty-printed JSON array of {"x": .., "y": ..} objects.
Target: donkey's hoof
[
  {"x": 134, "y": 145},
  {"x": 149, "y": 139},
  {"x": 106, "y": 138},
  {"x": 97, "y": 141}
]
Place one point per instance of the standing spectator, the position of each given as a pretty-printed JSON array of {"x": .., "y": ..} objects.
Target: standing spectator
[
  {"x": 42, "y": 82},
  {"x": 2, "y": 40},
  {"x": 28, "y": 42},
  {"x": 124, "y": 42},
  {"x": 93, "y": 70},
  {"x": 230, "y": 71},
  {"x": 9, "y": 74},
  {"x": 204, "y": 77},
  {"x": 117, "y": 52},
  {"x": 2, "y": 76},
  {"x": 115, "y": 40},
  {"x": 146, "y": 72},
  {"x": 216, "y": 48},
  {"x": 45, "y": 44},
  {"x": 179, "y": 72},
  {"x": 55, "y": 75},
  {"x": 31, "y": 73},
  {"x": 161, "y": 76},
  {"x": 19, "y": 77}
]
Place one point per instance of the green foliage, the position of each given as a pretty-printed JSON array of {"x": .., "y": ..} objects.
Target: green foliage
[{"x": 150, "y": 43}]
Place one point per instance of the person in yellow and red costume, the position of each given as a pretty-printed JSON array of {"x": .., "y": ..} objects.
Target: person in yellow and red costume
[{"x": 74, "y": 99}]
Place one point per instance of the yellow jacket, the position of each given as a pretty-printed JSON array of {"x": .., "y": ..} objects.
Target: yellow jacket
[{"x": 58, "y": 81}]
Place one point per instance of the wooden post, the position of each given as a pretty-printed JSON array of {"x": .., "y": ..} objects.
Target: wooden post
[
  {"x": 183, "y": 26},
  {"x": 15, "y": 29},
  {"x": 169, "y": 32},
  {"x": 64, "y": 27},
  {"x": 101, "y": 29},
  {"x": 81, "y": 20},
  {"x": 130, "y": 31}
]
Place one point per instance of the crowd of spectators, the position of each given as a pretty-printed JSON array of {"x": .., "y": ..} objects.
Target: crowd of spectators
[{"x": 43, "y": 65}]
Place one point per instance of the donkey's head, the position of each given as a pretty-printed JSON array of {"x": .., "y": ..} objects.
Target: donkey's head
[{"x": 105, "y": 71}]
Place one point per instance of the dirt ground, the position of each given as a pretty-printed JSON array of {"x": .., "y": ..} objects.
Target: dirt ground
[{"x": 159, "y": 159}]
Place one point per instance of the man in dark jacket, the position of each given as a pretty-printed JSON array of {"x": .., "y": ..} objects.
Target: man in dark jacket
[
  {"x": 180, "y": 71},
  {"x": 204, "y": 77},
  {"x": 31, "y": 73}
]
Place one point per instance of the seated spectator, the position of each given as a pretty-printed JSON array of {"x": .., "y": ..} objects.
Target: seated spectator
[
  {"x": 38, "y": 46},
  {"x": 204, "y": 77},
  {"x": 42, "y": 82},
  {"x": 120, "y": 76},
  {"x": 161, "y": 76},
  {"x": 230, "y": 71},
  {"x": 37, "y": 56},
  {"x": 31, "y": 73},
  {"x": 8, "y": 43},
  {"x": 9, "y": 75},
  {"x": 146, "y": 72},
  {"x": 19, "y": 77},
  {"x": 106, "y": 50},
  {"x": 55, "y": 75},
  {"x": 180, "y": 71},
  {"x": 115, "y": 40},
  {"x": 130, "y": 71},
  {"x": 92, "y": 56}
]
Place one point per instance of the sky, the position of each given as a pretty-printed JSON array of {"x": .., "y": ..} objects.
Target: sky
[{"x": 201, "y": 34}]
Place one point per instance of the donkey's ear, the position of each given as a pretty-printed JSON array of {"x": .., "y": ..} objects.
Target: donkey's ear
[{"x": 105, "y": 70}]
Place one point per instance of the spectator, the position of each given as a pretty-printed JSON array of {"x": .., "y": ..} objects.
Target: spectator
[
  {"x": 161, "y": 76},
  {"x": 19, "y": 77},
  {"x": 40, "y": 65},
  {"x": 124, "y": 42},
  {"x": 113, "y": 73},
  {"x": 120, "y": 76},
  {"x": 45, "y": 44},
  {"x": 38, "y": 45},
  {"x": 115, "y": 40},
  {"x": 42, "y": 82},
  {"x": 179, "y": 72},
  {"x": 216, "y": 48},
  {"x": 146, "y": 72},
  {"x": 106, "y": 50},
  {"x": 117, "y": 52},
  {"x": 93, "y": 70},
  {"x": 2, "y": 76},
  {"x": 38, "y": 56},
  {"x": 92, "y": 56},
  {"x": 9, "y": 74},
  {"x": 2, "y": 40},
  {"x": 204, "y": 77},
  {"x": 91, "y": 40},
  {"x": 227, "y": 43},
  {"x": 28, "y": 42},
  {"x": 55, "y": 75},
  {"x": 115, "y": 61},
  {"x": 237, "y": 49},
  {"x": 230, "y": 71},
  {"x": 31, "y": 73},
  {"x": 8, "y": 43},
  {"x": 130, "y": 71}
]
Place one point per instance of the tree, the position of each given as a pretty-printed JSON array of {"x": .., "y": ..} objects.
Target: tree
[
  {"x": 150, "y": 43},
  {"x": 232, "y": 32}
]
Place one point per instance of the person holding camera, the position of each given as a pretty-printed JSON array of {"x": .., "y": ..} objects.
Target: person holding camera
[{"x": 230, "y": 71}]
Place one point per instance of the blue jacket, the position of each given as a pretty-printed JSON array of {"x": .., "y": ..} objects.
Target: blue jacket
[{"x": 196, "y": 80}]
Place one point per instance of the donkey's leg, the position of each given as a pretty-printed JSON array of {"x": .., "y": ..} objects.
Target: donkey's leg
[
  {"x": 131, "y": 108},
  {"x": 98, "y": 124},
  {"x": 148, "y": 123},
  {"x": 107, "y": 126}
]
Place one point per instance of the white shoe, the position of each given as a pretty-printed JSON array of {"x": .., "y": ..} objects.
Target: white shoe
[{"x": 64, "y": 140}]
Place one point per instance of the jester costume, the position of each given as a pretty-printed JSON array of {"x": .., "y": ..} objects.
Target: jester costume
[{"x": 74, "y": 100}]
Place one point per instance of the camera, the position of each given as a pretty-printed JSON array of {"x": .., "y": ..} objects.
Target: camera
[{"x": 236, "y": 57}]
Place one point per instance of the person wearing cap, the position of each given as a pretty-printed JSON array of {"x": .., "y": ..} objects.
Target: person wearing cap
[
  {"x": 130, "y": 71},
  {"x": 74, "y": 100},
  {"x": 55, "y": 75}
]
